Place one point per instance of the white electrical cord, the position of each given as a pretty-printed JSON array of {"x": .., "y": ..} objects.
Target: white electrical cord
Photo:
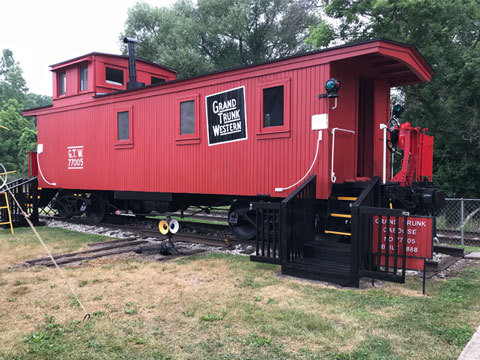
[
  {"x": 40, "y": 171},
  {"x": 311, "y": 166},
  {"x": 4, "y": 177}
]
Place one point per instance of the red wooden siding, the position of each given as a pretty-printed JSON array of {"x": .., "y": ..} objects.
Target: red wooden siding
[
  {"x": 157, "y": 163},
  {"x": 159, "y": 160}
]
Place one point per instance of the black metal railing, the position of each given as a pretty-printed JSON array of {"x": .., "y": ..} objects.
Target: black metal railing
[
  {"x": 267, "y": 240},
  {"x": 283, "y": 228},
  {"x": 26, "y": 194},
  {"x": 370, "y": 196},
  {"x": 384, "y": 255},
  {"x": 298, "y": 220},
  {"x": 376, "y": 249}
]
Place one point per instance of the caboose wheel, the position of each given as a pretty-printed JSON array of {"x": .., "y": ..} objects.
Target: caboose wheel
[
  {"x": 63, "y": 209},
  {"x": 97, "y": 209},
  {"x": 65, "y": 204},
  {"x": 242, "y": 220}
]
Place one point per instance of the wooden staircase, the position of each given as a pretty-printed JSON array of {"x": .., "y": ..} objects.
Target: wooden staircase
[
  {"x": 328, "y": 241},
  {"x": 328, "y": 257}
]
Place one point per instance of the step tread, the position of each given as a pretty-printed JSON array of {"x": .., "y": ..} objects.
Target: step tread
[
  {"x": 323, "y": 265},
  {"x": 350, "y": 187},
  {"x": 305, "y": 272},
  {"x": 329, "y": 244},
  {"x": 338, "y": 206},
  {"x": 341, "y": 254},
  {"x": 338, "y": 224},
  {"x": 335, "y": 232},
  {"x": 345, "y": 198},
  {"x": 340, "y": 215}
]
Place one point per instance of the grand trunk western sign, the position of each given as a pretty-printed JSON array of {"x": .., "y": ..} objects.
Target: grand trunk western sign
[{"x": 226, "y": 116}]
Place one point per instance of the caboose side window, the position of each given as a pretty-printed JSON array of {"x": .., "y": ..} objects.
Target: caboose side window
[
  {"x": 83, "y": 78},
  {"x": 273, "y": 109},
  {"x": 187, "y": 117},
  {"x": 156, "y": 80},
  {"x": 62, "y": 83},
  {"x": 113, "y": 76},
  {"x": 273, "y": 106},
  {"x": 123, "y": 126}
]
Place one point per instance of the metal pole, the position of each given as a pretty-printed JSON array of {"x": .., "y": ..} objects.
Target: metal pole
[
  {"x": 424, "y": 276},
  {"x": 462, "y": 224}
]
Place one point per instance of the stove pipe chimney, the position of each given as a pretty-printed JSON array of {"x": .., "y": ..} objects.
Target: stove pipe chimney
[{"x": 132, "y": 71}]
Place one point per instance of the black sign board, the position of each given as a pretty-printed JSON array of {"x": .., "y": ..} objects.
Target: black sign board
[{"x": 226, "y": 117}]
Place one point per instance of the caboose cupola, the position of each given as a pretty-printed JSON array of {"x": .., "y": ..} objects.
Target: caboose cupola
[{"x": 77, "y": 80}]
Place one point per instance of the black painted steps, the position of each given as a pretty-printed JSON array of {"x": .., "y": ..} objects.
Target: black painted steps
[
  {"x": 352, "y": 188},
  {"x": 328, "y": 250},
  {"x": 319, "y": 269},
  {"x": 339, "y": 224},
  {"x": 340, "y": 206}
]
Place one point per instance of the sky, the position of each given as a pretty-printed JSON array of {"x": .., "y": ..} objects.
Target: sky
[{"x": 42, "y": 33}]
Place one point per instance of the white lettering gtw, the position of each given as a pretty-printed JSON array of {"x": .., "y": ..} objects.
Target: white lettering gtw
[{"x": 75, "y": 157}]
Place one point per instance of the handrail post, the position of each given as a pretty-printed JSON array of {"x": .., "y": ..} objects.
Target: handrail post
[
  {"x": 283, "y": 234},
  {"x": 354, "y": 260},
  {"x": 297, "y": 220},
  {"x": 462, "y": 221},
  {"x": 360, "y": 245},
  {"x": 33, "y": 191}
]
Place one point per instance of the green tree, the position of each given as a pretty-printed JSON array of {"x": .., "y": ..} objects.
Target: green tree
[
  {"x": 35, "y": 100},
  {"x": 14, "y": 97},
  {"x": 10, "y": 140},
  {"x": 12, "y": 83},
  {"x": 218, "y": 34},
  {"x": 447, "y": 34}
]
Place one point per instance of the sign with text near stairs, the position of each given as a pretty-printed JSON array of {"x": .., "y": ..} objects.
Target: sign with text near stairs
[{"x": 416, "y": 231}]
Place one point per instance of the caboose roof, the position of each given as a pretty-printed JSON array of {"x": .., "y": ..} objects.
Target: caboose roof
[
  {"x": 88, "y": 57},
  {"x": 380, "y": 42},
  {"x": 400, "y": 63}
]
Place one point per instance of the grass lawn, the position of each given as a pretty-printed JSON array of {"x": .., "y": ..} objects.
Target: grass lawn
[{"x": 219, "y": 306}]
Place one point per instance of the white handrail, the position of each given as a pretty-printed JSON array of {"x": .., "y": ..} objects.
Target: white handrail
[
  {"x": 332, "y": 173},
  {"x": 384, "y": 128}
]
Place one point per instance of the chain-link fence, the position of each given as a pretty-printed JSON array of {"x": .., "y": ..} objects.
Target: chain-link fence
[{"x": 458, "y": 223}]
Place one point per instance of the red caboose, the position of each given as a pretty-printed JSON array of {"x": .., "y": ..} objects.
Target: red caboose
[{"x": 241, "y": 135}]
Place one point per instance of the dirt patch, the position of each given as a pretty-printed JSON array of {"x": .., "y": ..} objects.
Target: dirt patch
[{"x": 456, "y": 268}]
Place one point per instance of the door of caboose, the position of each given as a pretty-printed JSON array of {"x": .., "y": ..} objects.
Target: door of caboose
[{"x": 365, "y": 128}]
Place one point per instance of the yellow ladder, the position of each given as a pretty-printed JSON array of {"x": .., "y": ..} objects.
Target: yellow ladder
[{"x": 7, "y": 206}]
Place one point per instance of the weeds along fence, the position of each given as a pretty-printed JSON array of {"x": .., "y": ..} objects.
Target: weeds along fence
[{"x": 458, "y": 223}]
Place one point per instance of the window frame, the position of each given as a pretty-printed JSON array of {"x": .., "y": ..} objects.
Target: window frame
[
  {"x": 65, "y": 83},
  {"x": 273, "y": 132},
  {"x": 162, "y": 80},
  {"x": 83, "y": 66},
  {"x": 124, "y": 144},
  {"x": 122, "y": 86},
  {"x": 193, "y": 138}
]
